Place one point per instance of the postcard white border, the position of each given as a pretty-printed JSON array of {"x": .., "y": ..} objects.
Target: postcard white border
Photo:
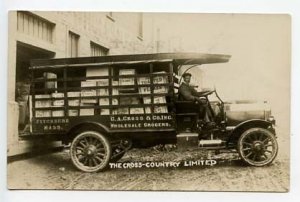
[{"x": 197, "y": 6}]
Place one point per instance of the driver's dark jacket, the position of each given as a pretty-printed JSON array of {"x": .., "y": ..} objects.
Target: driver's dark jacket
[{"x": 187, "y": 92}]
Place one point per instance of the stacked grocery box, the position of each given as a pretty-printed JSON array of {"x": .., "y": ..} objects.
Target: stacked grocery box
[
  {"x": 144, "y": 81},
  {"x": 160, "y": 80},
  {"x": 88, "y": 92},
  {"x": 131, "y": 101},
  {"x": 125, "y": 81},
  {"x": 125, "y": 101},
  {"x": 97, "y": 92},
  {"x": 43, "y": 103},
  {"x": 73, "y": 101},
  {"x": 54, "y": 111},
  {"x": 58, "y": 103},
  {"x": 115, "y": 90},
  {"x": 144, "y": 90},
  {"x": 97, "y": 71},
  {"x": 126, "y": 84},
  {"x": 160, "y": 89},
  {"x": 103, "y": 91},
  {"x": 85, "y": 98},
  {"x": 50, "y": 84},
  {"x": 156, "y": 100}
]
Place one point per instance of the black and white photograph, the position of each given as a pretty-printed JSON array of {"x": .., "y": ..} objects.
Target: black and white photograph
[{"x": 141, "y": 101}]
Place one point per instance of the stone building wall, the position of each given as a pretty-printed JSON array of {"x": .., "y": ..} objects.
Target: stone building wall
[{"x": 119, "y": 33}]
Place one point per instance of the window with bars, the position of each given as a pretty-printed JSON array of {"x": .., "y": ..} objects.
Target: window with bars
[
  {"x": 73, "y": 44},
  {"x": 35, "y": 26},
  {"x": 98, "y": 50}
]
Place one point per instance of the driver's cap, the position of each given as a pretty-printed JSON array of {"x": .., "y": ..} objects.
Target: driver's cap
[{"x": 186, "y": 74}]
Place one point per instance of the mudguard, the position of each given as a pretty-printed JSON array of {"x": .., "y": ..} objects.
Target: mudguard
[{"x": 235, "y": 134}]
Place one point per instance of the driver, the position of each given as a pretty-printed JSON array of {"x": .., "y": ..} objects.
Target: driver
[{"x": 188, "y": 93}]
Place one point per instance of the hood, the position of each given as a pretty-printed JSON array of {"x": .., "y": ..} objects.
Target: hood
[{"x": 240, "y": 111}]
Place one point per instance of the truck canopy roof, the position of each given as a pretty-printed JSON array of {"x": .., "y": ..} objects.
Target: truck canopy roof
[{"x": 176, "y": 58}]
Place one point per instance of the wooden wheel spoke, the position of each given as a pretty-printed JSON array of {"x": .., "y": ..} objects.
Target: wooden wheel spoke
[
  {"x": 90, "y": 163},
  {"x": 91, "y": 140},
  {"x": 247, "y": 143},
  {"x": 254, "y": 157},
  {"x": 254, "y": 136},
  {"x": 86, "y": 140},
  {"x": 85, "y": 161},
  {"x": 260, "y": 137},
  {"x": 79, "y": 154},
  {"x": 80, "y": 157},
  {"x": 249, "y": 138},
  {"x": 94, "y": 161},
  {"x": 249, "y": 154},
  {"x": 79, "y": 148},
  {"x": 101, "y": 150},
  {"x": 99, "y": 145},
  {"x": 260, "y": 157},
  {"x": 269, "y": 145},
  {"x": 264, "y": 155},
  {"x": 98, "y": 158},
  {"x": 95, "y": 141},
  {"x": 268, "y": 151},
  {"x": 247, "y": 149},
  {"x": 82, "y": 144},
  {"x": 266, "y": 140},
  {"x": 100, "y": 154}
]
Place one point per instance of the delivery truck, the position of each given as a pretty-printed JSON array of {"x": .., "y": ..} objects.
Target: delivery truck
[{"x": 103, "y": 106}]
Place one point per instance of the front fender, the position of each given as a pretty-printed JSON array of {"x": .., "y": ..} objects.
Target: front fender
[{"x": 234, "y": 134}]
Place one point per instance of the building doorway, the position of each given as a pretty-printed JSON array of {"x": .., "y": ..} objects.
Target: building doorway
[{"x": 25, "y": 53}]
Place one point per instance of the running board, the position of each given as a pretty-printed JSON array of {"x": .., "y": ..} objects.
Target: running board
[
  {"x": 203, "y": 143},
  {"x": 213, "y": 148}
]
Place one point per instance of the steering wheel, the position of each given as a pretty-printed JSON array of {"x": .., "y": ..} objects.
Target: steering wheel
[{"x": 206, "y": 93}]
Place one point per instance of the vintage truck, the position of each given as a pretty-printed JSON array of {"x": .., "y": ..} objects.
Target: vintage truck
[{"x": 103, "y": 106}]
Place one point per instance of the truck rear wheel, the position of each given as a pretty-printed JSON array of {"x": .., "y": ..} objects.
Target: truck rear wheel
[
  {"x": 257, "y": 147},
  {"x": 90, "y": 151}
]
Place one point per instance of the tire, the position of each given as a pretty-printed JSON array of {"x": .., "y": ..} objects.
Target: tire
[
  {"x": 254, "y": 147},
  {"x": 90, "y": 151}
]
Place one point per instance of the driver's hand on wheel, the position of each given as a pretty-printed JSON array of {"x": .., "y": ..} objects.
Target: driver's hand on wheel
[
  {"x": 205, "y": 93},
  {"x": 199, "y": 100}
]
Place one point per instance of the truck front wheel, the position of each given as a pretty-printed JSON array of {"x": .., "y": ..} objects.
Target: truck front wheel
[
  {"x": 257, "y": 147},
  {"x": 90, "y": 151}
]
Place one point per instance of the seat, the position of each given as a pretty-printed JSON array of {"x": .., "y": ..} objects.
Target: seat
[{"x": 186, "y": 107}]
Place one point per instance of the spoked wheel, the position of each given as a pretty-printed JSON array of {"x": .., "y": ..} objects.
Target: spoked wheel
[
  {"x": 257, "y": 147},
  {"x": 90, "y": 151}
]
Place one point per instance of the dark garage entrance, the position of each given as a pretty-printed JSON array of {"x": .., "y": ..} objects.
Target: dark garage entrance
[{"x": 25, "y": 53}]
